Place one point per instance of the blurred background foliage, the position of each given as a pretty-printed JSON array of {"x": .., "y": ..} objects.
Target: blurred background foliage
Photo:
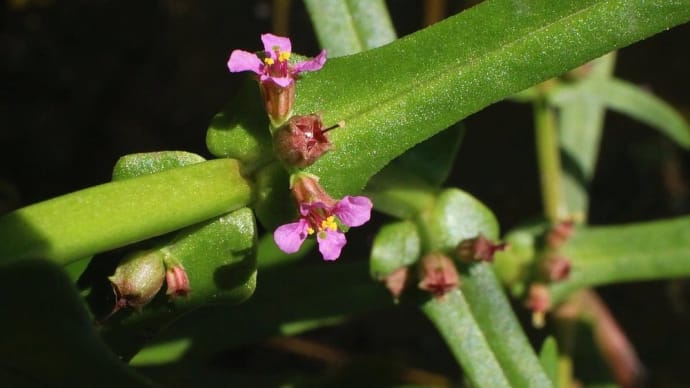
[{"x": 85, "y": 82}]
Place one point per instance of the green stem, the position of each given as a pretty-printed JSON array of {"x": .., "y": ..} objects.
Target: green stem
[
  {"x": 549, "y": 161},
  {"x": 115, "y": 214}
]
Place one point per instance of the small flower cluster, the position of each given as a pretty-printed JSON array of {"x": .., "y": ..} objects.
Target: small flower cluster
[{"x": 299, "y": 141}]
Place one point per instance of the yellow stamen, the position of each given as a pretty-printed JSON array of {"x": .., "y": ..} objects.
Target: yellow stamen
[
  {"x": 329, "y": 223},
  {"x": 310, "y": 231},
  {"x": 538, "y": 319},
  {"x": 283, "y": 56},
  {"x": 269, "y": 61}
]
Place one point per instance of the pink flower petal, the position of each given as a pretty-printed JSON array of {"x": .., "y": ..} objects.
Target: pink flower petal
[
  {"x": 331, "y": 243},
  {"x": 241, "y": 60},
  {"x": 289, "y": 237},
  {"x": 280, "y": 81},
  {"x": 305, "y": 208},
  {"x": 273, "y": 42},
  {"x": 353, "y": 211},
  {"x": 313, "y": 64}
]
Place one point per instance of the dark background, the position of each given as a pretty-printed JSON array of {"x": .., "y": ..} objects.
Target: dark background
[{"x": 84, "y": 82}]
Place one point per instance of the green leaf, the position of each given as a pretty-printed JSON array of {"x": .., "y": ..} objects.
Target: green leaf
[
  {"x": 346, "y": 27},
  {"x": 229, "y": 135},
  {"x": 134, "y": 165},
  {"x": 161, "y": 353},
  {"x": 432, "y": 160},
  {"x": 407, "y": 186},
  {"x": 501, "y": 328},
  {"x": 395, "y": 96},
  {"x": 629, "y": 99},
  {"x": 580, "y": 124},
  {"x": 119, "y": 213},
  {"x": 621, "y": 253},
  {"x": 463, "y": 334},
  {"x": 49, "y": 338},
  {"x": 457, "y": 216},
  {"x": 548, "y": 357},
  {"x": 395, "y": 246}
]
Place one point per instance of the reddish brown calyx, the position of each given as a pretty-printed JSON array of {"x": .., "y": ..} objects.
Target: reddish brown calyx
[{"x": 302, "y": 140}]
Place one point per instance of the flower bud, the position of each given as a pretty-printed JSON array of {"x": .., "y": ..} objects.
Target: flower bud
[
  {"x": 302, "y": 140},
  {"x": 478, "y": 249},
  {"x": 539, "y": 301},
  {"x": 176, "y": 281},
  {"x": 396, "y": 281},
  {"x": 438, "y": 274},
  {"x": 138, "y": 279},
  {"x": 559, "y": 234},
  {"x": 556, "y": 268},
  {"x": 278, "y": 101}
]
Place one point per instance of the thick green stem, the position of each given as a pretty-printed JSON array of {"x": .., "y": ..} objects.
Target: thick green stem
[
  {"x": 549, "y": 161},
  {"x": 115, "y": 214}
]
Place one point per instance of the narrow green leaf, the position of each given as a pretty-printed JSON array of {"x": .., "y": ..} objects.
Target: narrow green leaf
[
  {"x": 580, "y": 124},
  {"x": 396, "y": 245},
  {"x": 161, "y": 353},
  {"x": 621, "y": 253},
  {"x": 500, "y": 326},
  {"x": 629, "y": 99},
  {"x": 346, "y": 27},
  {"x": 548, "y": 357},
  {"x": 49, "y": 339},
  {"x": 395, "y": 96},
  {"x": 119, "y": 213},
  {"x": 463, "y": 334}
]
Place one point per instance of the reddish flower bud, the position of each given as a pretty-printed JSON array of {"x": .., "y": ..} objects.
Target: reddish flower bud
[
  {"x": 560, "y": 233},
  {"x": 138, "y": 279},
  {"x": 556, "y": 268},
  {"x": 396, "y": 281},
  {"x": 176, "y": 281},
  {"x": 478, "y": 249},
  {"x": 302, "y": 140},
  {"x": 438, "y": 274},
  {"x": 539, "y": 301}
]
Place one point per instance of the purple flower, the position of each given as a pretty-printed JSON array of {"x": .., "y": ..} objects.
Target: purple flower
[
  {"x": 274, "y": 66},
  {"x": 325, "y": 221}
]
